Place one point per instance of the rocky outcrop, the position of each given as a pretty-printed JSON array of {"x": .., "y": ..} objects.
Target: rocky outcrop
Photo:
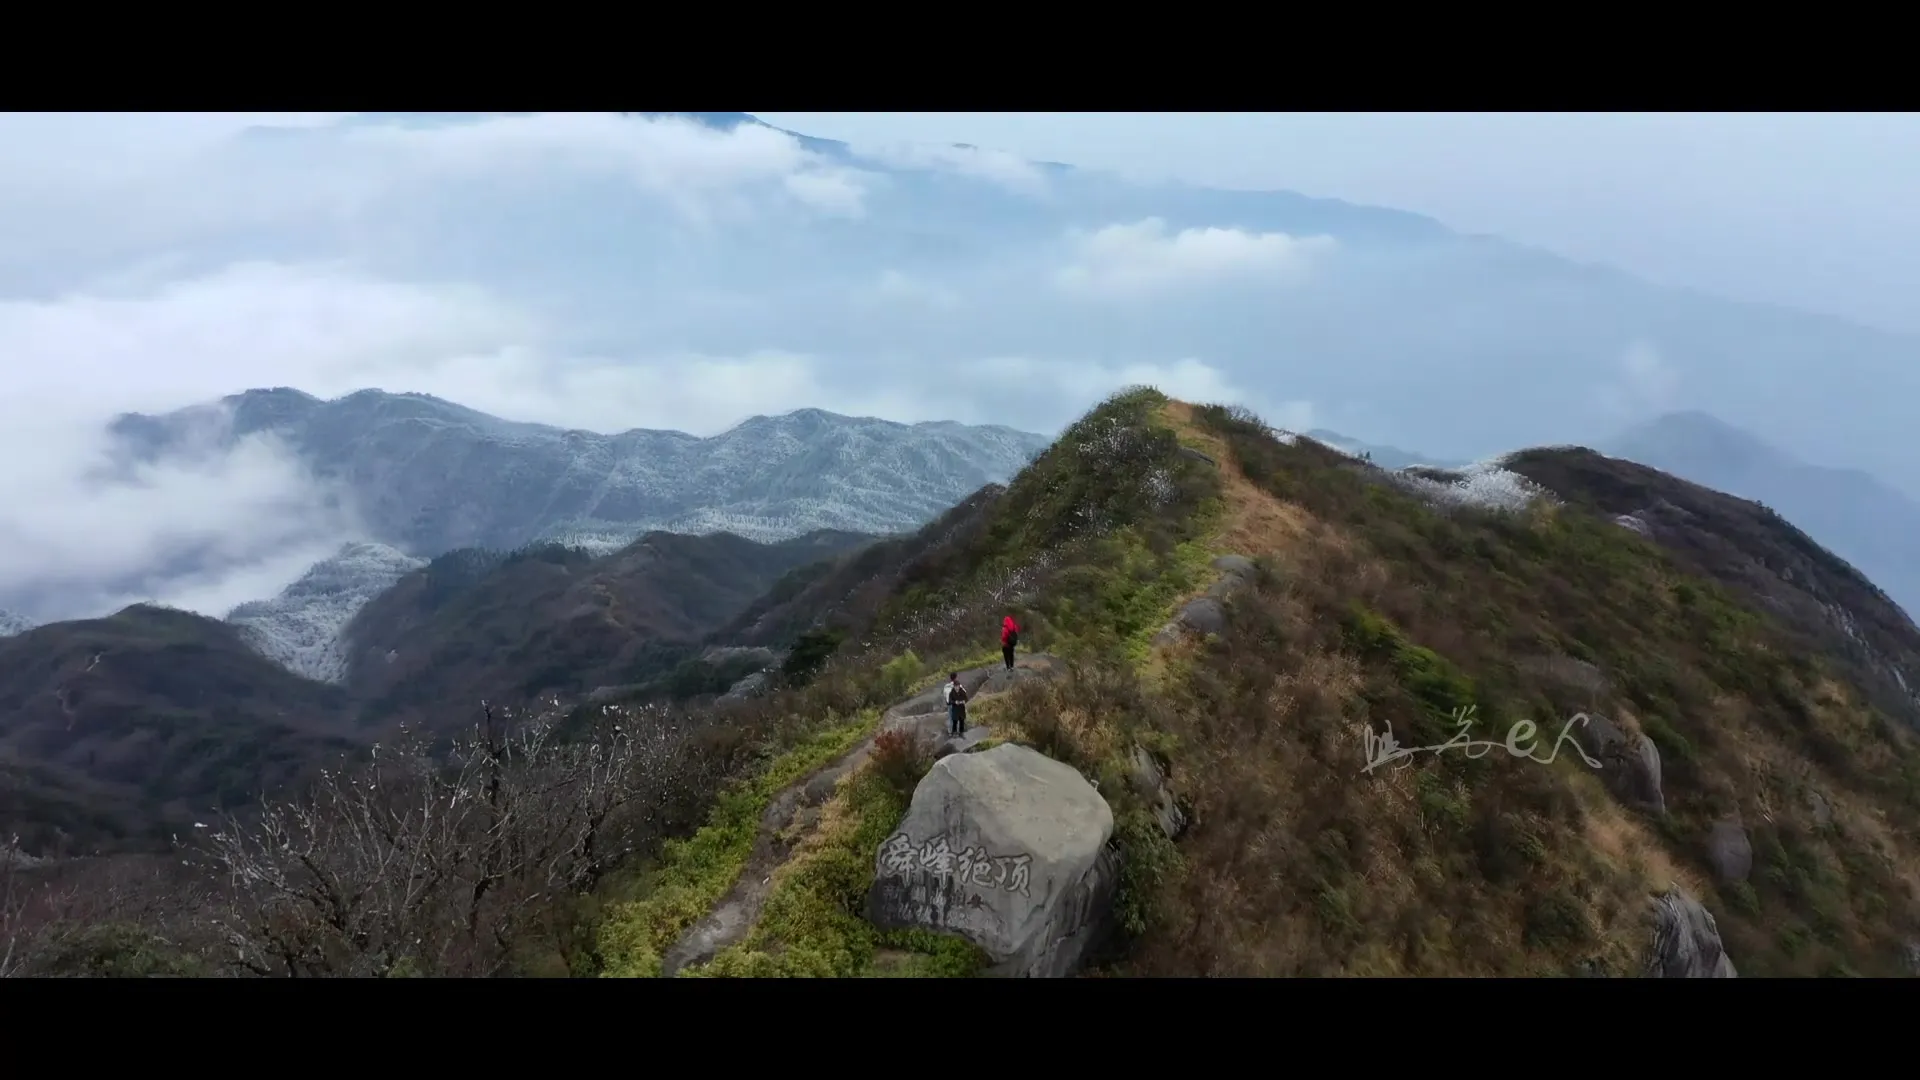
[
  {"x": 1686, "y": 941},
  {"x": 1149, "y": 782},
  {"x": 1629, "y": 762},
  {"x": 1819, "y": 808},
  {"x": 1730, "y": 851},
  {"x": 961, "y": 743},
  {"x": 1008, "y": 849},
  {"x": 1206, "y": 615}
]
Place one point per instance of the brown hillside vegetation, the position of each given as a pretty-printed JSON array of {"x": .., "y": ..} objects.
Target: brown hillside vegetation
[
  {"x": 472, "y": 626},
  {"x": 1386, "y": 611},
  {"x": 117, "y": 733},
  {"x": 1786, "y": 799},
  {"x": 114, "y": 729},
  {"x": 1376, "y": 610}
]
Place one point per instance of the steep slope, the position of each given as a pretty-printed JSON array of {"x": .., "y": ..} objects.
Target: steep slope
[
  {"x": 1865, "y": 521},
  {"x": 432, "y": 477},
  {"x": 850, "y": 590},
  {"x": 300, "y": 629},
  {"x": 114, "y": 730},
  {"x": 475, "y": 626},
  {"x": 1696, "y": 728}
]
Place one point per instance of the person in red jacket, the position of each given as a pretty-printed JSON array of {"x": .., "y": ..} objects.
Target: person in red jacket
[{"x": 1009, "y": 637}]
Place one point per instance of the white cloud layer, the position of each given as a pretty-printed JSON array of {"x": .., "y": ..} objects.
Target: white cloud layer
[
  {"x": 1127, "y": 261},
  {"x": 995, "y": 166},
  {"x": 610, "y": 272}
]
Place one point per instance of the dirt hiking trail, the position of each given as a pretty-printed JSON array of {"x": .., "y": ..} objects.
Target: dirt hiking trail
[{"x": 799, "y": 804}]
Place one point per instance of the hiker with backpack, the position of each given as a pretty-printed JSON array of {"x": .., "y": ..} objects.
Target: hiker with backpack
[
  {"x": 1009, "y": 637},
  {"x": 956, "y": 696}
]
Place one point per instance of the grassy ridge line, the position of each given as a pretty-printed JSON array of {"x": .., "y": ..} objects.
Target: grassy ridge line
[
  {"x": 694, "y": 874},
  {"x": 811, "y": 926},
  {"x": 1155, "y": 517}
]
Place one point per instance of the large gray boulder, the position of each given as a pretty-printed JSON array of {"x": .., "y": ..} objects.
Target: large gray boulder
[
  {"x": 1629, "y": 763},
  {"x": 1006, "y": 848},
  {"x": 1730, "y": 851},
  {"x": 1686, "y": 940},
  {"x": 1204, "y": 615}
]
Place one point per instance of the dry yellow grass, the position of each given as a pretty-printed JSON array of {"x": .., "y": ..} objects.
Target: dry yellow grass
[{"x": 1255, "y": 523}]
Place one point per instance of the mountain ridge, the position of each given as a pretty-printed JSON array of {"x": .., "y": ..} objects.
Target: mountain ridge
[
  {"x": 1221, "y": 626},
  {"x": 469, "y": 479},
  {"x": 1871, "y": 523}
]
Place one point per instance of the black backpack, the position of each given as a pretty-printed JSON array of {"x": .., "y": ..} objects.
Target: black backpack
[
  {"x": 959, "y": 694},
  {"x": 1013, "y": 638}
]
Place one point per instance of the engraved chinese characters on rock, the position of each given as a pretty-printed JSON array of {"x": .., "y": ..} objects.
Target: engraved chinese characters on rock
[
  {"x": 897, "y": 855},
  {"x": 969, "y": 866},
  {"x": 937, "y": 858}
]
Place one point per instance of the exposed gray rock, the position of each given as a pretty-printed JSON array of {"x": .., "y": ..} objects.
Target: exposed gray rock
[
  {"x": 1730, "y": 851},
  {"x": 1913, "y": 956},
  {"x": 1686, "y": 941},
  {"x": 961, "y": 743},
  {"x": 1629, "y": 764},
  {"x": 1203, "y": 616},
  {"x": 1818, "y": 806},
  {"x": 1238, "y": 565},
  {"x": 998, "y": 680},
  {"x": 979, "y": 681},
  {"x": 1006, "y": 848},
  {"x": 1236, "y": 572},
  {"x": 1190, "y": 452},
  {"x": 1150, "y": 783}
]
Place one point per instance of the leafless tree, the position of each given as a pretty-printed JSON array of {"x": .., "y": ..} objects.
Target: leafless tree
[
  {"x": 122, "y": 915},
  {"x": 434, "y": 864}
]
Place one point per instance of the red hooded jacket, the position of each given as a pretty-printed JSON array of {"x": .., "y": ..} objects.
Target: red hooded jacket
[{"x": 1007, "y": 630}]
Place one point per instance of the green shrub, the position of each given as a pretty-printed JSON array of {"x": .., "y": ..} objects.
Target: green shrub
[{"x": 810, "y": 653}]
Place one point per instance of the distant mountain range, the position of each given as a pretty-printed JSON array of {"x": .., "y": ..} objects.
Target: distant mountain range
[
  {"x": 1856, "y": 516},
  {"x": 430, "y": 476}
]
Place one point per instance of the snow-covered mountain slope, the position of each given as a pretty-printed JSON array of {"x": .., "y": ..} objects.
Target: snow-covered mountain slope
[
  {"x": 11, "y": 624},
  {"x": 300, "y": 629},
  {"x": 431, "y": 476}
]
